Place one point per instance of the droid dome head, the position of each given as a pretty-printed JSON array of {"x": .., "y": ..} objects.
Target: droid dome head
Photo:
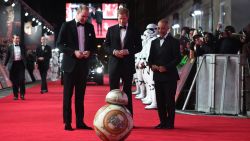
[
  {"x": 151, "y": 30},
  {"x": 117, "y": 97}
]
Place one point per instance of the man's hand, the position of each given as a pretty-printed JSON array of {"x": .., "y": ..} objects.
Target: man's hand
[
  {"x": 40, "y": 58},
  {"x": 118, "y": 54},
  {"x": 86, "y": 54},
  {"x": 79, "y": 54},
  {"x": 124, "y": 52},
  {"x": 162, "y": 69},
  {"x": 154, "y": 68},
  {"x": 219, "y": 26}
]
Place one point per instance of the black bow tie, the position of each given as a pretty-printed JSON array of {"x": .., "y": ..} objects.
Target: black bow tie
[
  {"x": 123, "y": 27},
  {"x": 79, "y": 24},
  {"x": 161, "y": 38}
]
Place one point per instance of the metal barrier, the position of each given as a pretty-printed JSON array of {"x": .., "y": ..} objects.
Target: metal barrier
[{"x": 219, "y": 81}]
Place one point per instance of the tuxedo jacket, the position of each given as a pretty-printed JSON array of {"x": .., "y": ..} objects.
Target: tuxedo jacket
[
  {"x": 167, "y": 55},
  {"x": 67, "y": 42},
  {"x": 10, "y": 56},
  {"x": 132, "y": 42},
  {"x": 46, "y": 53}
]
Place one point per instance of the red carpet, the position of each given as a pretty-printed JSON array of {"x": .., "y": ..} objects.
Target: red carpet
[{"x": 39, "y": 118}]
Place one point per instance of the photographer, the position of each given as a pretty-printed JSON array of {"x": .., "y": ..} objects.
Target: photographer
[{"x": 228, "y": 44}]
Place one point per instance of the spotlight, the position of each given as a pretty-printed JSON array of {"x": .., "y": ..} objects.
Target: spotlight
[
  {"x": 6, "y": 0},
  {"x": 197, "y": 12},
  {"x": 39, "y": 23},
  {"x": 176, "y": 26},
  {"x": 44, "y": 27},
  {"x": 13, "y": 4},
  {"x": 26, "y": 14},
  {"x": 33, "y": 19}
]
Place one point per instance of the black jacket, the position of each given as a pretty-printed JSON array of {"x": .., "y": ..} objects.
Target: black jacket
[
  {"x": 167, "y": 55},
  {"x": 10, "y": 56},
  {"x": 46, "y": 53},
  {"x": 67, "y": 42},
  {"x": 132, "y": 42}
]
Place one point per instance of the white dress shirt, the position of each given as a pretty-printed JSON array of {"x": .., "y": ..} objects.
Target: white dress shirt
[
  {"x": 122, "y": 35},
  {"x": 163, "y": 39},
  {"x": 17, "y": 53},
  {"x": 81, "y": 36}
]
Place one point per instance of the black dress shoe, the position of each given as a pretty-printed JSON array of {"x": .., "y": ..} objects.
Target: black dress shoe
[
  {"x": 43, "y": 91},
  {"x": 83, "y": 126},
  {"x": 170, "y": 127},
  {"x": 15, "y": 98},
  {"x": 68, "y": 127},
  {"x": 161, "y": 126},
  {"x": 22, "y": 97}
]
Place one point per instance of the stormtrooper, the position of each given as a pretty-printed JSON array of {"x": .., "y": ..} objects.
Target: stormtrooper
[
  {"x": 149, "y": 97},
  {"x": 54, "y": 64},
  {"x": 140, "y": 87}
]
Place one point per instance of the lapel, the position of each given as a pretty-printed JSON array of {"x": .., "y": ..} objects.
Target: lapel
[
  {"x": 12, "y": 50},
  {"x": 165, "y": 43},
  {"x": 45, "y": 49},
  {"x": 74, "y": 31},
  {"x": 118, "y": 33},
  {"x": 127, "y": 35},
  {"x": 158, "y": 43}
]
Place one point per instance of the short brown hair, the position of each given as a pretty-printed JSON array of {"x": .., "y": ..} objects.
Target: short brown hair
[
  {"x": 82, "y": 7},
  {"x": 123, "y": 11}
]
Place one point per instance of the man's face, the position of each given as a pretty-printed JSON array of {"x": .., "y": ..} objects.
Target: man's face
[
  {"x": 16, "y": 40},
  {"x": 82, "y": 16},
  {"x": 122, "y": 19},
  {"x": 162, "y": 28},
  {"x": 43, "y": 40}
]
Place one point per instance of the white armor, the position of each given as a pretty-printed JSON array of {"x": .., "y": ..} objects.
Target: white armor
[
  {"x": 54, "y": 64},
  {"x": 148, "y": 97}
]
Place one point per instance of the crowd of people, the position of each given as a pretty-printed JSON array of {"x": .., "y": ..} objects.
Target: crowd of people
[{"x": 196, "y": 42}]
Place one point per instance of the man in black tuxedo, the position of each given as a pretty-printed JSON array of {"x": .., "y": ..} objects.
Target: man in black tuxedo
[
  {"x": 43, "y": 55},
  {"x": 163, "y": 58},
  {"x": 16, "y": 62},
  {"x": 122, "y": 43},
  {"x": 76, "y": 40}
]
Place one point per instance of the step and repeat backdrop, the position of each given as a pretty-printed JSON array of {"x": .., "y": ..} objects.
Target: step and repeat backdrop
[{"x": 14, "y": 21}]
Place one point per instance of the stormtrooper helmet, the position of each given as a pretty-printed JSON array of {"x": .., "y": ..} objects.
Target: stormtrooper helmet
[{"x": 151, "y": 30}]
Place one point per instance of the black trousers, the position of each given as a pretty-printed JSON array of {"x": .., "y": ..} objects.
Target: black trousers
[
  {"x": 43, "y": 73},
  {"x": 114, "y": 83},
  {"x": 31, "y": 74},
  {"x": 165, "y": 97},
  {"x": 74, "y": 81},
  {"x": 17, "y": 77}
]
